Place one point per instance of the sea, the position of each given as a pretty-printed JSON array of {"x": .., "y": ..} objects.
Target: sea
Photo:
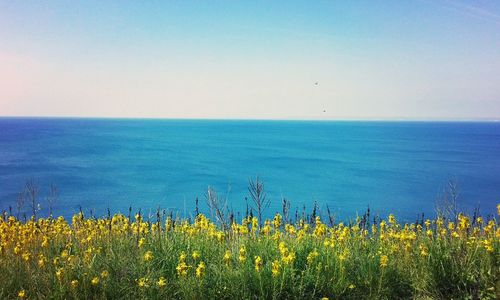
[{"x": 344, "y": 167}]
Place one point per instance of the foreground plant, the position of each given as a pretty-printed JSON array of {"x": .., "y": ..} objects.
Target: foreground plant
[{"x": 119, "y": 258}]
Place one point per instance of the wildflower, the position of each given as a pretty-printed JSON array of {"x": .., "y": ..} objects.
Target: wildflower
[
  {"x": 26, "y": 256},
  {"x": 283, "y": 249},
  {"x": 392, "y": 219},
  {"x": 255, "y": 224},
  {"x": 352, "y": 286},
  {"x": 200, "y": 270},
  {"x": 74, "y": 283},
  {"x": 196, "y": 255},
  {"x": 143, "y": 282},
  {"x": 104, "y": 274},
  {"x": 59, "y": 273},
  {"x": 312, "y": 256},
  {"x": 408, "y": 247},
  {"x": 182, "y": 256},
  {"x": 227, "y": 257},
  {"x": 290, "y": 229},
  {"x": 41, "y": 261},
  {"x": 243, "y": 254},
  {"x": 258, "y": 263},
  {"x": 182, "y": 268},
  {"x": 320, "y": 229},
  {"x": 498, "y": 209},
  {"x": 162, "y": 282},
  {"x": 275, "y": 268},
  {"x": 423, "y": 250},
  {"x": 427, "y": 223},
  {"x": 383, "y": 261},
  {"x": 343, "y": 256},
  {"x": 277, "y": 221},
  {"x": 21, "y": 294},
  {"x": 488, "y": 245},
  {"x": 266, "y": 230},
  {"x": 148, "y": 256},
  {"x": 289, "y": 259},
  {"x": 95, "y": 281},
  {"x": 138, "y": 218},
  {"x": 141, "y": 242}
]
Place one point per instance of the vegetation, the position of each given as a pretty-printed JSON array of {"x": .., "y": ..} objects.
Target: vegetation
[{"x": 116, "y": 257}]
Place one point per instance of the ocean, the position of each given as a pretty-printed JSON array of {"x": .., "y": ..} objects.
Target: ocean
[{"x": 398, "y": 167}]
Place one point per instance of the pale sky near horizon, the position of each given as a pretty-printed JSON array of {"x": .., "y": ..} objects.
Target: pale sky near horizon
[{"x": 251, "y": 59}]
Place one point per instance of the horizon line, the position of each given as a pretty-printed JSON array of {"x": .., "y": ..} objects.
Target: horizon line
[
  {"x": 395, "y": 119},
  {"x": 486, "y": 120}
]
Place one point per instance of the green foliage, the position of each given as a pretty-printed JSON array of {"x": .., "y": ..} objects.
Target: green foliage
[{"x": 114, "y": 258}]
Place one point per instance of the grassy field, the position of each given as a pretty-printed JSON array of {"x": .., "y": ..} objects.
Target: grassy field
[{"x": 120, "y": 257}]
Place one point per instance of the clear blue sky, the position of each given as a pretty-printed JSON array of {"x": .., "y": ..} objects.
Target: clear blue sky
[{"x": 251, "y": 59}]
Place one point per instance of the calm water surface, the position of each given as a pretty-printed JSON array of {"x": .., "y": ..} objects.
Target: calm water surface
[{"x": 399, "y": 167}]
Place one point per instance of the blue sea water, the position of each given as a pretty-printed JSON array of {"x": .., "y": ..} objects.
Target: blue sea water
[{"x": 399, "y": 167}]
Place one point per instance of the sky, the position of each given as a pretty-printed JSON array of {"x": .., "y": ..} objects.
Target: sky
[{"x": 422, "y": 59}]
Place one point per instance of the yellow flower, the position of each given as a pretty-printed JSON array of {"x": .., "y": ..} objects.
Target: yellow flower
[
  {"x": 488, "y": 245},
  {"x": 148, "y": 256},
  {"x": 423, "y": 250},
  {"x": 182, "y": 268},
  {"x": 312, "y": 256},
  {"x": 255, "y": 224},
  {"x": 41, "y": 261},
  {"x": 26, "y": 256},
  {"x": 74, "y": 283},
  {"x": 343, "y": 256},
  {"x": 104, "y": 274},
  {"x": 196, "y": 255},
  {"x": 392, "y": 219},
  {"x": 182, "y": 256},
  {"x": 162, "y": 282},
  {"x": 200, "y": 270},
  {"x": 21, "y": 294},
  {"x": 143, "y": 282},
  {"x": 427, "y": 223},
  {"x": 383, "y": 261},
  {"x": 277, "y": 221},
  {"x": 227, "y": 257},
  {"x": 141, "y": 242},
  {"x": 59, "y": 273},
  {"x": 289, "y": 258},
  {"x": 95, "y": 281},
  {"x": 258, "y": 263},
  {"x": 352, "y": 286},
  {"x": 243, "y": 254},
  {"x": 275, "y": 268},
  {"x": 17, "y": 249},
  {"x": 498, "y": 209}
]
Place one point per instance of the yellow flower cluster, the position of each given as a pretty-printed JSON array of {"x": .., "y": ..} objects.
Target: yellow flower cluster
[{"x": 61, "y": 247}]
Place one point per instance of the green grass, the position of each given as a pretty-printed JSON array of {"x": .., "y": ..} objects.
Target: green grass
[{"x": 423, "y": 262}]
